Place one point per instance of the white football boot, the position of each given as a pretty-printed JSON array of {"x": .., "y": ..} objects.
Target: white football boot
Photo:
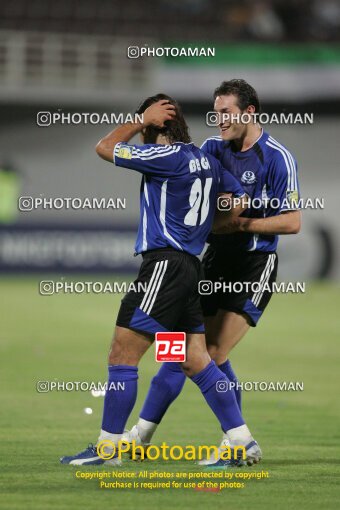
[
  {"x": 133, "y": 435},
  {"x": 212, "y": 459}
]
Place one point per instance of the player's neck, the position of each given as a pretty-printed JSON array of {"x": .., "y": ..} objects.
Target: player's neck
[
  {"x": 162, "y": 140},
  {"x": 249, "y": 138}
]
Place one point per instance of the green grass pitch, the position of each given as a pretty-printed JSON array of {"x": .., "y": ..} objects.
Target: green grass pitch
[{"x": 66, "y": 337}]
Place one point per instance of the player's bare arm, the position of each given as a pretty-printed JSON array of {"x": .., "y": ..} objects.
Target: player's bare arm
[
  {"x": 157, "y": 114},
  {"x": 223, "y": 218},
  {"x": 285, "y": 223}
]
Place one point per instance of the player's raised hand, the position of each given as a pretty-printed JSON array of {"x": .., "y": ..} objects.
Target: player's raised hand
[{"x": 158, "y": 113}]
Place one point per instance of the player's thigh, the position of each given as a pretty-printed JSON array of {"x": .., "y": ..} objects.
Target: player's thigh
[
  {"x": 128, "y": 346},
  {"x": 158, "y": 303},
  {"x": 212, "y": 272},
  {"x": 191, "y": 316},
  {"x": 223, "y": 332},
  {"x": 197, "y": 357}
]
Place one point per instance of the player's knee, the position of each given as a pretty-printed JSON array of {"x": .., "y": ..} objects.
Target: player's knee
[
  {"x": 218, "y": 353},
  {"x": 188, "y": 368},
  {"x": 120, "y": 356},
  {"x": 195, "y": 364},
  {"x": 212, "y": 351},
  {"x": 115, "y": 354}
]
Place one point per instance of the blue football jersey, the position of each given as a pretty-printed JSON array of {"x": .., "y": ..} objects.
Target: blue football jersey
[
  {"x": 178, "y": 195},
  {"x": 268, "y": 174}
]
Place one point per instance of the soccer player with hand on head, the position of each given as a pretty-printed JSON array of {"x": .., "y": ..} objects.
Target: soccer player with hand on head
[
  {"x": 179, "y": 190},
  {"x": 243, "y": 250}
]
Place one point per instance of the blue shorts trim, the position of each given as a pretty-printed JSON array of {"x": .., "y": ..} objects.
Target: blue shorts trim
[
  {"x": 253, "y": 312},
  {"x": 140, "y": 320}
]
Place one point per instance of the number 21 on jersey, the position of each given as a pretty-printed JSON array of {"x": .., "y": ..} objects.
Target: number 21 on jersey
[{"x": 199, "y": 202}]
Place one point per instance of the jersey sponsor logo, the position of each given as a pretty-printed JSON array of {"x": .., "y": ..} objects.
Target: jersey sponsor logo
[
  {"x": 292, "y": 197},
  {"x": 170, "y": 346},
  {"x": 248, "y": 177},
  {"x": 125, "y": 153}
]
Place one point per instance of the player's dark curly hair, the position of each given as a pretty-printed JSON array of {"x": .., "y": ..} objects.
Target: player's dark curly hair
[
  {"x": 176, "y": 130},
  {"x": 245, "y": 93}
]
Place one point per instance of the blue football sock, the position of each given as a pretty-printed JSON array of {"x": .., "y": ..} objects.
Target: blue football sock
[
  {"x": 120, "y": 397},
  {"x": 214, "y": 386},
  {"x": 165, "y": 388},
  {"x": 226, "y": 368}
]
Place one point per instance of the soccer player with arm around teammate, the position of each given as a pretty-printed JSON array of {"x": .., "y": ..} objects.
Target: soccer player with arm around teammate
[
  {"x": 241, "y": 249},
  {"x": 179, "y": 190}
]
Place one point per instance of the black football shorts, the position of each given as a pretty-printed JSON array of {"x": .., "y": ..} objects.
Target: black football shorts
[
  {"x": 170, "y": 301},
  {"x": 244, "y": 282}
]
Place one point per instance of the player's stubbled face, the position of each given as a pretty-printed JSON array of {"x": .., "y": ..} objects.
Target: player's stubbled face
[{"x": 230, "y": 127}]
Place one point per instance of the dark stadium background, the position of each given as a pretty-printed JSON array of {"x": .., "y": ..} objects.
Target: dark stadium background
[{"x": 71, "y": 56}]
